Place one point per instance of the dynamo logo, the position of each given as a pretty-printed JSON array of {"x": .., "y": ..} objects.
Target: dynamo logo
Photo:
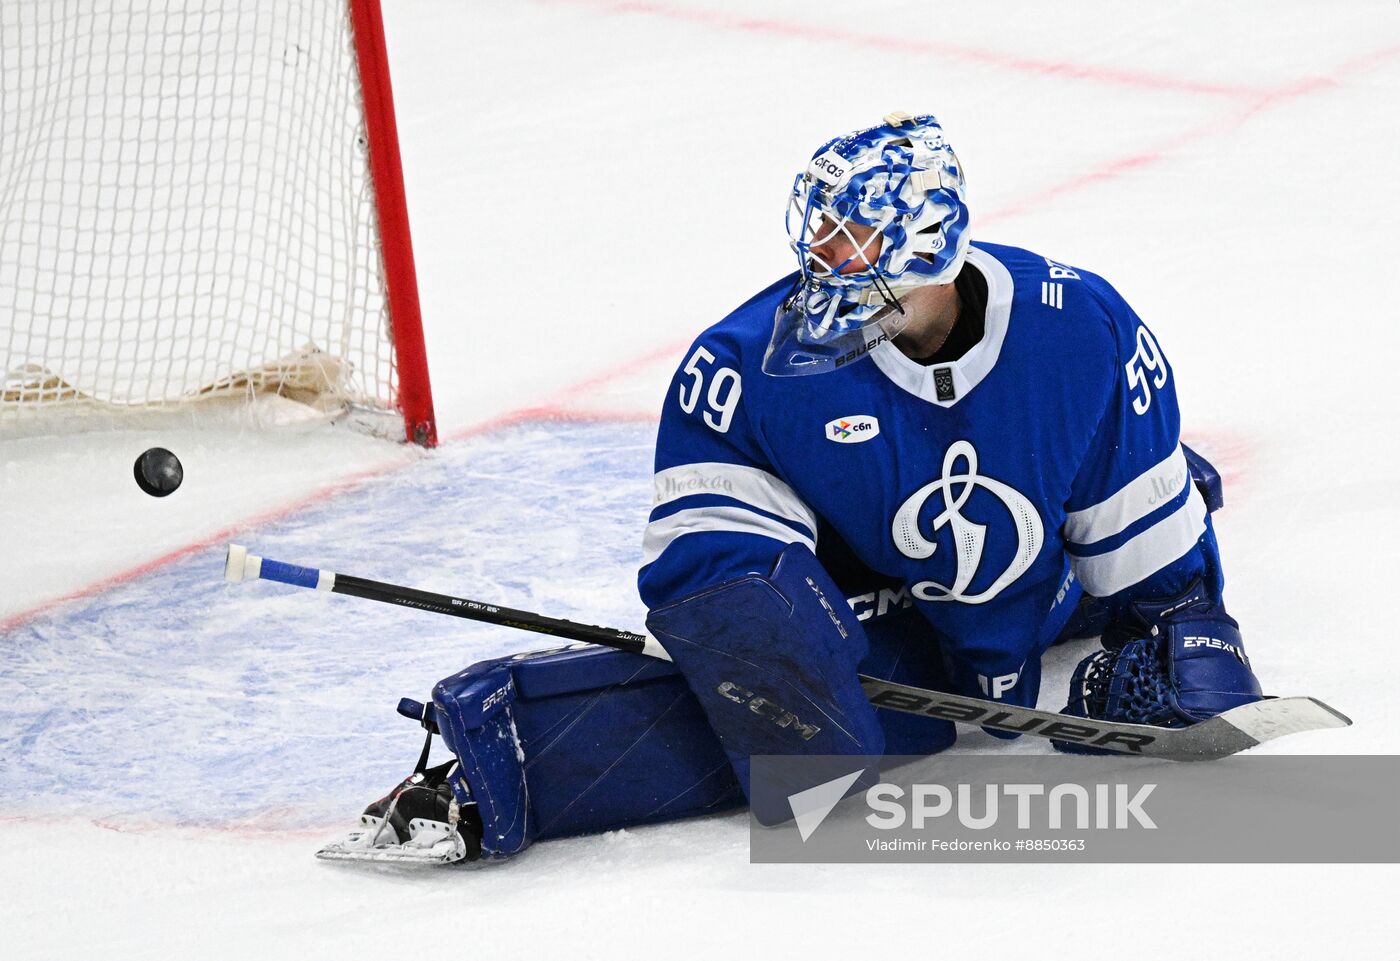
[{"x": 960, "y": 479}]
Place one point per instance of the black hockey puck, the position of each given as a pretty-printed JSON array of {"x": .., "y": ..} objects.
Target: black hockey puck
[{"x": 158, "y": 472}]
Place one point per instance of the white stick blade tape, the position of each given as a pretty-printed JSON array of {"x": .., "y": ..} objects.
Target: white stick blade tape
[{"x": 1266, "y": 720}]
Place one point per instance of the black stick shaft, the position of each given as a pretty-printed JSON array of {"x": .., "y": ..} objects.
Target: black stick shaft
[
  {"x": 241, "y": 565},
  {"x": 490, "y": 613}
]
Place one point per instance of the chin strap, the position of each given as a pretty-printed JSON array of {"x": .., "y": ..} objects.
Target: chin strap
[
  {"x": 882, "y": 286},
  {"x": 883, "y": 291}
]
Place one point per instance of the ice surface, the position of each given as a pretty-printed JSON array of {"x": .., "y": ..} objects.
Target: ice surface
[
  {"x": 178, "y": 698},
  {"x": 590, "y": 183}
]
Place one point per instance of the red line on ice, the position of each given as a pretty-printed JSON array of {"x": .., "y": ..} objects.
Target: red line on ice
[
  {"x": 221, "y": 536},
  {"x": 1230, "y": 120},
  {"x": 555, "y": 407},
  {"x": 554, "y": 410},
  {"x": 242, "y": 830},
  {"x": 912, "y": 45},
  {"x": 565, "y": 403}
]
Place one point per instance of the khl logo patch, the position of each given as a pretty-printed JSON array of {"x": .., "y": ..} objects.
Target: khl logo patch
[
  {"x": 969, "y": 539},
  {"x": 853, "y": 430}
]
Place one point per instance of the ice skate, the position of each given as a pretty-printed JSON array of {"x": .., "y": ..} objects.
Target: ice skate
[{"x": 420, "y": 821}]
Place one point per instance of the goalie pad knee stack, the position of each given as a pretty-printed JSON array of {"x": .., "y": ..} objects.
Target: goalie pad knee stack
[{"x": 773, "y": 662}]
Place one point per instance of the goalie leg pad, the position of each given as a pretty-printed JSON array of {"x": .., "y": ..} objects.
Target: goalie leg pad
[
  {"x": 575, "y": 741},
  {"x": 611, "y": 739},
  {"x": 477, "y": 722},
  {"x": 1206, "y": 478},
  {"x": 773, "y": 662},
  {"x": 588, "y": 739}
]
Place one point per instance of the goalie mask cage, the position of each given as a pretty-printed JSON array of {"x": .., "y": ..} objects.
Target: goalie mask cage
[{"x": 203, "y": 199}]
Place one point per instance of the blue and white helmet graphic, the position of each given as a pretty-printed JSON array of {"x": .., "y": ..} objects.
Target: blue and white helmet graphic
[{"x": 901, "y": 179}]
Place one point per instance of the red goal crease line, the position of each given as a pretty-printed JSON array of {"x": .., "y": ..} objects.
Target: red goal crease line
[
  {"x": 561, "y": 406},
  {"x": 566, "y": 405},
  {"x": 561, "y": 411}
]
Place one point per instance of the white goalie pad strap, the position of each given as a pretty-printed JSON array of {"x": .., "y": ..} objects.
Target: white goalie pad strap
[
  {"x": 1135, "y": 500},
  {"x": 660, "y": 533},
  {"x": 754, "y": 487},
  {"x": 1144, "y": 554}
]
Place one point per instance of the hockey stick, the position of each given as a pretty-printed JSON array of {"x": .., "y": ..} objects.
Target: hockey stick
[
  {"x": 239, "y": 565},
  {"x": 1220, "y": 736}
]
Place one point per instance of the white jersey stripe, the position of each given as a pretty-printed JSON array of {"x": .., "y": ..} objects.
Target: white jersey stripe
[
  {"x": 1133, "y": 501},
  {"x": 660, "y": 533},
  {"x": 1145, "y": 554},
  {"x": 755, "y": 487}
]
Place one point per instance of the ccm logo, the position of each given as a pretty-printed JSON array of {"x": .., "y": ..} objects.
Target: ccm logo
[
  {"x": 767, "y": 710},
  {"x": 852, "y": 430}
]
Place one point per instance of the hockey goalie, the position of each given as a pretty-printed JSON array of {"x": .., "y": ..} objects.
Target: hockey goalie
[{"x": 919, "y": 458}]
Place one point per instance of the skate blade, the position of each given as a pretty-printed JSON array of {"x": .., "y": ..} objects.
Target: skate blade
[
  {"x": 429, "y": 843},
  {"x": 392, "y": 855}
]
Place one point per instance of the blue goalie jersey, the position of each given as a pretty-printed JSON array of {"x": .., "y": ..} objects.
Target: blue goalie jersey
[{"x": 992, "y": 488}]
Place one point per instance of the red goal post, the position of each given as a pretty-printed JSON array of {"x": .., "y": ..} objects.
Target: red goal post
[
  {"x": 415, "y": 398},
  {"x": 202, "y": 201}
]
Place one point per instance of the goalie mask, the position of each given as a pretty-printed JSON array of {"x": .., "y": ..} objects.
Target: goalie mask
[{"x": 901, "y": 180}]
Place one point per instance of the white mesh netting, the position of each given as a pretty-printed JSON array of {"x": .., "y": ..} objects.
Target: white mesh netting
[{"x": 185, "y": 205}]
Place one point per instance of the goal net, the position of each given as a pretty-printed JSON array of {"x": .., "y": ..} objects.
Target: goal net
[{"x": 202, "y": 199}]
